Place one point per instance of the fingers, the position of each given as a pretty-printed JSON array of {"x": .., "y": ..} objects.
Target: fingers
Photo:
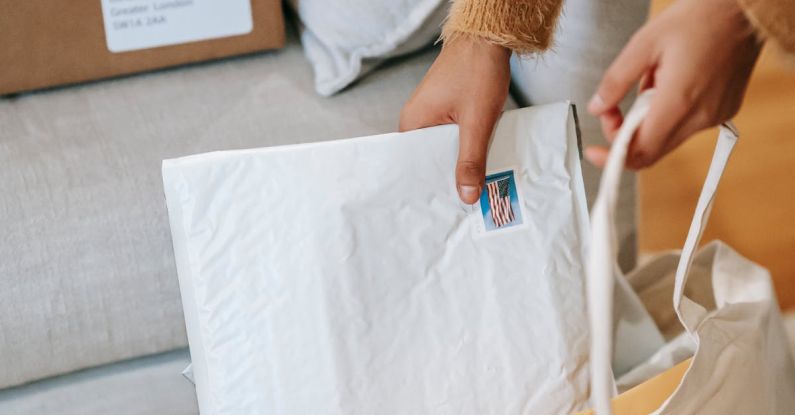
[
  {"x": 473, "y": 148},
  {"x": 474, "y": 135},
  {"x": 597, "y": 155},
  {"x": 687, "y": 128},
  {"x": 665, "y": 128},
  {"x": 666, "y": 113},
  {"x": 611, "y": 121},
  {"x": 633, "y": 61},
  {"x": 647, "y": 80}
]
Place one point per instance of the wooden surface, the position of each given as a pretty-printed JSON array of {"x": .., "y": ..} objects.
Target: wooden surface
[{"x": 754, "y": 210}]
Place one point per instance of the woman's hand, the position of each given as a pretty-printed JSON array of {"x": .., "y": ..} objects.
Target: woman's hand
[
  {"x": 467, "y": 85},
  {"x": 699, "y": 55}
]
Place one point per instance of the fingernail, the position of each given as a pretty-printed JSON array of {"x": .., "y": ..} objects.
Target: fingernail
[
  {"x": 596, "y": 104},
  {"x": 469, "y": 192}
]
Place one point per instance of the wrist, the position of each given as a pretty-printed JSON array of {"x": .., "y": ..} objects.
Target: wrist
[{"x": 477, "y": 46}]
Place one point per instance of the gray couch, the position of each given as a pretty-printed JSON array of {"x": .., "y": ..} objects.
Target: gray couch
[{"x": 90, "y": 315}]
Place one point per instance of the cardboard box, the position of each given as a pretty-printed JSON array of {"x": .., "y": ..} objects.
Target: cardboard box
[
  {"x": 648, "y": 396},
  {"x": 45, "y": 43}
]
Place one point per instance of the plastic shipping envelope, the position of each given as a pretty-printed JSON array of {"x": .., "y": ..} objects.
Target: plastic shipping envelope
[{"x": 346, "y": 277}]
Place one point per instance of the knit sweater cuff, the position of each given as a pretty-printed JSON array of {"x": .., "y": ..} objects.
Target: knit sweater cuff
[
  {"x": 774, "y": 20},
  {"x": 524, "y": 26}
]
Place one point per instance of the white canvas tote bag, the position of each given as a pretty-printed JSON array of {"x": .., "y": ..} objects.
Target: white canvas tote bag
[
  {"x": 346, "y": 277},
  {"x": 726, "y": 303}
]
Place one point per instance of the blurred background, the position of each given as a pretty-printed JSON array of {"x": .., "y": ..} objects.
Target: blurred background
[{"x": 754, "y": 208}]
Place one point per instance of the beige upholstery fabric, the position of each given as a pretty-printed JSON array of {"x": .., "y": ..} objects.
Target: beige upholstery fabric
[
  {"x": 149, "y": 385},
  {"x": 86, "y": 268}
]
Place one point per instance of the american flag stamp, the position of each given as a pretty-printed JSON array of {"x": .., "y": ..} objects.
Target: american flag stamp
[{"x": 499, "y": 202}]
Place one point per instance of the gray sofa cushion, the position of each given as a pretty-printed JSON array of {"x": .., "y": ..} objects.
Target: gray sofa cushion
[
  {"x": 145, "y": 386},
  {"x": 86, "y": 268}
]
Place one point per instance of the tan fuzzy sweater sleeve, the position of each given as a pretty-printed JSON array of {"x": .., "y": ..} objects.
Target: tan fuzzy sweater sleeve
[
  {"x": 773, "y": 19},
  {"x": 524, "y": 26}
]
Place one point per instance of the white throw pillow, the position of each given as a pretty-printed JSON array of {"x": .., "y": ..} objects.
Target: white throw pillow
[
  {"x": 344, "y": 39},
  {"x": 347, "y": 277}
]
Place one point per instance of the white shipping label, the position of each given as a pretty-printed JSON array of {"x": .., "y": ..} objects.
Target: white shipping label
[{"x": 142, "y": 24}]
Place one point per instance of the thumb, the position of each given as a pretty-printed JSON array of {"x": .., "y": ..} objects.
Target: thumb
[
  {"x": 473, "y": 148},
  {"x": 632, "y": 63}
]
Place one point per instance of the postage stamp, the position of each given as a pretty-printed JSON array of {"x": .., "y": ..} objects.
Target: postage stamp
[{"x": 499, "y": 202}]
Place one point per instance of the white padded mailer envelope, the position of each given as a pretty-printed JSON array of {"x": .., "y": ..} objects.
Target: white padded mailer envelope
[{"x": 346, "y": 277}]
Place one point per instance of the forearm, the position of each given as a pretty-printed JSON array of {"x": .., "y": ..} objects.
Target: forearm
[{"x": 524, "y": 26}]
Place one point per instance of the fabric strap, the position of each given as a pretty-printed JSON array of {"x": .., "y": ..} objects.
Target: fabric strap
[{"x": 601, "y": 268}]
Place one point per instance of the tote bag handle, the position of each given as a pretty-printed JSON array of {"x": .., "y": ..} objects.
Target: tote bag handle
[{"x": 601, "y": 269}]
